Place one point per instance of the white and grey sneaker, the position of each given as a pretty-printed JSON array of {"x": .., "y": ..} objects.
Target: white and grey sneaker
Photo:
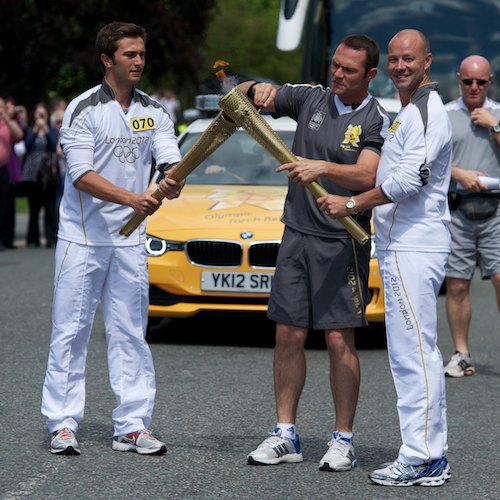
[
  {"x": 460, "y": 364},
  {"x": 340, "y": 455},
  {"x": 142, "y": 442},
  {"x": 64, "y": 442},
  {"x": 275, "y": 450}
]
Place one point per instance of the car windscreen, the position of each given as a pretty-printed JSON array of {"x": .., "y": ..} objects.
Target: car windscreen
[{"x": 239, "y": 160}]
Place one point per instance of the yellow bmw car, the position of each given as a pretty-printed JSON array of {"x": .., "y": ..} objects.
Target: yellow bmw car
[{"x": 214, "y": 248}]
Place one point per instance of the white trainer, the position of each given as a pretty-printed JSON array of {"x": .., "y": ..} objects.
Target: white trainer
[
  {"x": 142, "y": 442},
  {"x": 460, "y": 365},
  {"x": 64, "y": 442},
  {"x": 340, "y": 455},
  {"x": 276, "y": 450}
]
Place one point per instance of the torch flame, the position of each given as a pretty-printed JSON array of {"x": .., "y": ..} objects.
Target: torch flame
[
  {"x": 220, "y": 63},
  {"x": 220, "y": 73}
]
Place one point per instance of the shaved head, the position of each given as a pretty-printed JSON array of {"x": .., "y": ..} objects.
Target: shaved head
[
  {"x": 408, "y": 62},
  {"x": 474, "y": 77},
  {"x": 475, "y": 64},
  {"x": 414, "y": 36}
]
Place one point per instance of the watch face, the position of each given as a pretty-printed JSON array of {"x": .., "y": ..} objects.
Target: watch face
[
  {"x": 350, "y": 204},
  {"x": 496, "y": 128}
]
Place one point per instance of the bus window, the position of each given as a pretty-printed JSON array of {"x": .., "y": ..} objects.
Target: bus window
[{"x": 454, "y": 29}]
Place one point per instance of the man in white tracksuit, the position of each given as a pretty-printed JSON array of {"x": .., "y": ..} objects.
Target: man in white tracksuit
[
  {"x": 109, "y": 136},
  {"x": 411, "y": 219}
]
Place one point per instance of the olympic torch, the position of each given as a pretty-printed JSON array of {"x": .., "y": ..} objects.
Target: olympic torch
[
  {"x": 221, "y": 128},
  {"x": 237, "y": 106}
]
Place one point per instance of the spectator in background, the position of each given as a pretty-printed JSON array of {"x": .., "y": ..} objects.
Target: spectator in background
[
  {"x": 15, "y": 174},
  {"x": 57, "y": 107},
  {"x": 40, "y": 176},
  {"x": 10, "y": 133},
  {"x": 60, "y": 159},
  {"x": 169, "y": 101},
  {"x": 475, "y": 214}
]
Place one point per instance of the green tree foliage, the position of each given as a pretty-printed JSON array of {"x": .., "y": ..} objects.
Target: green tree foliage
[
  {"x": 243, "y": 33},
  {"x": 47, "y": 47}
]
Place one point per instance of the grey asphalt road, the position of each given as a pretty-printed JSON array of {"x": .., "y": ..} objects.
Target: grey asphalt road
[{"x": 215, "y": 404}]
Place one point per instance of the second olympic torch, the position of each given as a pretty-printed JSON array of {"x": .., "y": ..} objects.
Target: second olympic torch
[{"x": 243, "y": 113}]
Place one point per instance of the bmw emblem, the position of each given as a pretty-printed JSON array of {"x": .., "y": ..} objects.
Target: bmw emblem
[{"x": 246, "y": 235}]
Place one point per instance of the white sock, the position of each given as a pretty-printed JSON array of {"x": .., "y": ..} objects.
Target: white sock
[
  {"x": 287, "y": 430},
  {"x": 346, "y": 435}
]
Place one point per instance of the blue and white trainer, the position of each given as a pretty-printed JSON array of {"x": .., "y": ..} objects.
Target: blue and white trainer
[
  {"x": 276, "y": 449},
  {"x": 433, "y": 473},
  {"x": 340, "y": 455}
]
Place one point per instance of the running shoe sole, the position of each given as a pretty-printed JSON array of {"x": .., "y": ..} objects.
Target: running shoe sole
[
  {"x": 66, "y": 451},
  {"x": 117, "y": 446},
  {"x": 326, "y": 467},
  {"x": 465, "y": 373},
  {"x": 292, "y": 458}
]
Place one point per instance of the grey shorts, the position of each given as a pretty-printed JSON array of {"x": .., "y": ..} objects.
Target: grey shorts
[
  {"x": 320, "y": 283},
  {"x": 474, "y": 243}
]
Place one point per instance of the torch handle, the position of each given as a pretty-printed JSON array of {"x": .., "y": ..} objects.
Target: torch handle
[
  {"x": 135, "y": 221},
  {"x": 355, "y": 230}
]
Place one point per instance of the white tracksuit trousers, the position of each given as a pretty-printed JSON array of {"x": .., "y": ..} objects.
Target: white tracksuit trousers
[
  {"x": 411, "y": 285},
  {"x": 117, "y": 278}
]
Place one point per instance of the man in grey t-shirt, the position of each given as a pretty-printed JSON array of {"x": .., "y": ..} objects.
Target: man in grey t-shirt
[
  {"x": 321, "y": 279},
  {"x": 475, "y": 210}
]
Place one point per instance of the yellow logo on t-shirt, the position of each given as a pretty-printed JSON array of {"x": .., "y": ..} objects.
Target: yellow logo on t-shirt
[
  {"x": 352, "y": 135},
  {"x": 394, "y": 126},
  {"x": 143, "y": 123},
  {"x": 351, "y": 138}
]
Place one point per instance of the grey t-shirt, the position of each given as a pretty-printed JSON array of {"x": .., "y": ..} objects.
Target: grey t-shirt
[
  {"x": 323, "y": 133},
  {"x": 474, "y": 148}
]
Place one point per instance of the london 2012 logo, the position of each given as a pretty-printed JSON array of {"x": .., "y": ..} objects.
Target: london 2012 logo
[{"x": 126, "y": 154}]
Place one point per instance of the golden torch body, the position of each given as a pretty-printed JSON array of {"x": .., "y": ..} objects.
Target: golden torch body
[{"x": 237, "y": 106}]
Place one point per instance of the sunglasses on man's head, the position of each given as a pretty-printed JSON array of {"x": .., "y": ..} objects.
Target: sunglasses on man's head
[{"x": 470, "y": 81}]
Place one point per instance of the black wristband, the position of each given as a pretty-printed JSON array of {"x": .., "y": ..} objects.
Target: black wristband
[{"x": 251, "y": 91}]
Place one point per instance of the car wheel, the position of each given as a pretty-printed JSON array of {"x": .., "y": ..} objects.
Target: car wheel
[
  {"x": 371, "y": 337},
  {"x": 151, "y": 329}
]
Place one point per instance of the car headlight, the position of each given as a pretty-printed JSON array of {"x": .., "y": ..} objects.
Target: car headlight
[
  {"x": 155, "y": 247},
  {"x": 373, "y": 248}
]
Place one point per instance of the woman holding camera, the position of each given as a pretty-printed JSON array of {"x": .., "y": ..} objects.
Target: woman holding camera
[{"x": 40, "y": 176}]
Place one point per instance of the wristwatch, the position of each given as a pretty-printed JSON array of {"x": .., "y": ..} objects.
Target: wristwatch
[
  {"x": 350, "y": 206},
  {"x": 496, "y": 128}
]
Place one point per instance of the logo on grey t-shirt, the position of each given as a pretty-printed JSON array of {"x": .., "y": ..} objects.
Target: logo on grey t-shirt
[{"x": 316, "y": 120}]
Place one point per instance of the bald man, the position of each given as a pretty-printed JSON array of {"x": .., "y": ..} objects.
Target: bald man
[
  {"x": 410, "y": 200},
  {"x": 475, "y": 220}
]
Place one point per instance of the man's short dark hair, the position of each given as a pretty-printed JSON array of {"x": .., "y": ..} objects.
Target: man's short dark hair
[
  {"x": 366, "y": 43},
  {"x": 108, "y": 37}
]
